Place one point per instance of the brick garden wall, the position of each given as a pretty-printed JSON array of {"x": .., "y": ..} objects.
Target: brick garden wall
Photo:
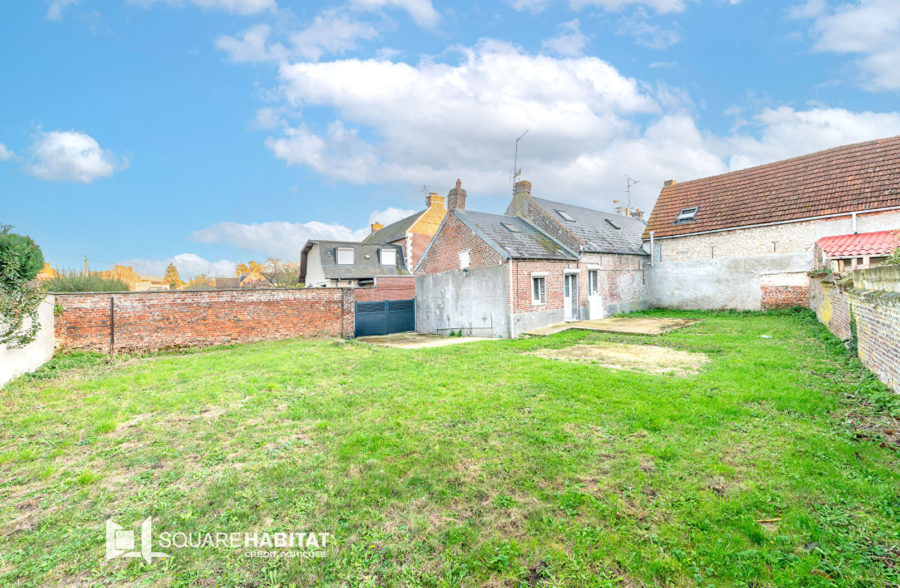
[
  {"x": 145, "y": 321},
  {"x": 876, "y": 313},
  {"x": 388, "y": 288}
]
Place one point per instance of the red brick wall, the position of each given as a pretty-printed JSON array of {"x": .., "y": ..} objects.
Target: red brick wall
[
  {"x": 784, "y": 296},
  {"x": 449, "y": 241},
  {"x": 147, "y": 321},
  {"x": 521, "y": 284},
  {"x": 388, "y": 288},
  {"x": 419, "y": 245}
]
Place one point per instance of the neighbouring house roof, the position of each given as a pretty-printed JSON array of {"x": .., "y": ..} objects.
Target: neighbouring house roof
[
  {"x": 394, "y": 231},
  {"x": 366, "y": 260},
  {"x": 598, "y": 232},
  {"x": 860, "y": 244},
  {"x": 513, "y": 237},
  {"x": 863, "y": 176}
]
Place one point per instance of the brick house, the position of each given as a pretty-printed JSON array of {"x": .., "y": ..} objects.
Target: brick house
[
  {"x": 491, "y": 275},
  {"x": 609, "y": 249},
  {"x": 413, "y": 233},
  {"x": 747, "y": 239},
  {"x": 504, "y": 274}
]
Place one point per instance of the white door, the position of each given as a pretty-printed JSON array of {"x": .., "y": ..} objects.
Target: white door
[{"x": 570, "y": 296}]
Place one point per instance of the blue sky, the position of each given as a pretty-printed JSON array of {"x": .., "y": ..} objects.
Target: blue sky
[{"x": 216, "y": 131}]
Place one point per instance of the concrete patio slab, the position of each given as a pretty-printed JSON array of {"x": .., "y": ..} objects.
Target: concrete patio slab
[
  {"x": 630, "y": 325},
  {"x": 411, "y": 340}
]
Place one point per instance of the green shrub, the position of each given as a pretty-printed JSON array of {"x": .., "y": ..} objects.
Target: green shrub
[
  {"x": 20, "y": 258},
  {"x": 73, "y": 281}
]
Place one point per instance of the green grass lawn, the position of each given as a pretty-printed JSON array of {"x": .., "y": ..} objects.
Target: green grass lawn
[{"x": 468, "y": 465}]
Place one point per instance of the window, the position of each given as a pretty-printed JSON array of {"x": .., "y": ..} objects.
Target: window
[
  {"x": 345, "y": 256},
  {"x": 388, "y": 256},
  {"x": 612, "y": 224},
  {"x": 687, "y": 214},
  {"x": 511, "y": 227},
  {"x": 593, "y": 282},
  {"x": 565, "y": 215},
  {"x": 538, "y": 290},
  {"x": 463, "y": 259}
]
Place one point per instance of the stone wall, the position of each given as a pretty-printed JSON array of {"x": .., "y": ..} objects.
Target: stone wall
[
  {"x": 876, "y": 313},
  {"x": 146, "y": 321}
]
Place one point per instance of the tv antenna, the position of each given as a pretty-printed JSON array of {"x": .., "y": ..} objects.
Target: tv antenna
[
  {"x": 629, "y": 182},
  {"x": 516, "y": 172}
]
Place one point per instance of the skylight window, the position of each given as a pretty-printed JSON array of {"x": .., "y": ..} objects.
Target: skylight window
[
  {"x": 511, "y": 227},
  {"x": 565, "y": 215},
  {"x": 612, "y": 224},
  {"x": 687, "y": 214}
]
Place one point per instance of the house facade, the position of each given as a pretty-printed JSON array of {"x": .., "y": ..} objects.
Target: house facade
[
  {"x": 747, "y": 239},
  {"x": 608, "y": 246},
  {"x": 504, "y": 274},
  {"x": 413, "y": 233},
  {"x": 336, "y": 264}
]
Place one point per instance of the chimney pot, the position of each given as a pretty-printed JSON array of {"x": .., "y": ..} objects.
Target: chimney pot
[
  {"x": 456, "y": 198},
  {"x": 669, "y": 183},
  {"x": 376, "y": 226}
]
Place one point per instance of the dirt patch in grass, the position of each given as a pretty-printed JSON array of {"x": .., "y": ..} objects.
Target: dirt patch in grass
[{"x": 651, "y": 359}]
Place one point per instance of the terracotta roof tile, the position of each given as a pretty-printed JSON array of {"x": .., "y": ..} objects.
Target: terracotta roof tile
[
  {"x": 860, "y": 244},
  {"x": 842, "y": 180}
]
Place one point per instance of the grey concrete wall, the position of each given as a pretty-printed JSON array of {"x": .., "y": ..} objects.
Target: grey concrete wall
[
  {"x": 475, "y": 304},
  {"x": 525, "y": 321},
  {"x": 15, "y": 362},
  {"x": 732, "y": 282}
]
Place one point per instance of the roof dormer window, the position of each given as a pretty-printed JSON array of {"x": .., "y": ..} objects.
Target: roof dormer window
[
  {"x": 388, "y": 257},
  {"x": 687, "y": 214},
  {"x": 344, "y": 256}
]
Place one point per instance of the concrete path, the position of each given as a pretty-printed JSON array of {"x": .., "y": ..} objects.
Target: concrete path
[
  {"x": 634, "y": 326},
  {"x": 412, "y": 340}
]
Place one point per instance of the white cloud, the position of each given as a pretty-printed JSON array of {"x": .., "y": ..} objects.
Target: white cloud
[
  {"x": 431, "y": 122},
  {"x": 332, "y": 31},
  {"x": 421, "y": 11},
  {"x": 660, "y": 6},
  {"x": 6, "y": 153},
  {"x": 867, "y": 28},
  {"x": 232, "y": 6},
  {"x": 71, "y": 156},
  {"x": 284, "y": 240},
  {"x": 189, "y": 266},
  {"x": 648, "y": 34},
  {"x": 570, "y": 42},
  {"x": 786, "y": 132},
  {"x": 55, "y": 10}
]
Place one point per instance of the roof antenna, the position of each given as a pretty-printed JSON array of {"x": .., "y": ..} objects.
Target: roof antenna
[
  {"x": 516, "y": 172},
  {"x": 629, "y": 182}
]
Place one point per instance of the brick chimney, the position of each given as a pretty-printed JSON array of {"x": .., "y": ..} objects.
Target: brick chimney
[
  {"x": 523, "y": 187},
  {"x": 376, "y": 226},
  {"x": 434, "y": 200},
  {"x": 456, "y": 198}
]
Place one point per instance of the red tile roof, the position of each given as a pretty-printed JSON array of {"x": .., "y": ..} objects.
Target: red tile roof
[
  {"x": 846, "y": 179},
  {"x": 860, "y": 244}
]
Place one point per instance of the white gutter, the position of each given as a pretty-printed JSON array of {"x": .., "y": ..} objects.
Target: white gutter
[{"x": 787, "y": 222}]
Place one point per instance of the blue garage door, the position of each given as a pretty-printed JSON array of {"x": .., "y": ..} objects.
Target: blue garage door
[{"x": 381, "y": 318}]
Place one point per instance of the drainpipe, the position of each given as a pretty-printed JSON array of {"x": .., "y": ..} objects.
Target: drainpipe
[
  {"x": 652, "y": 250},
  {"x": 853, "y": 215}
]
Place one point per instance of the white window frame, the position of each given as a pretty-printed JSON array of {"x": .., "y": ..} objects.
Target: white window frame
[
  {"x": 385, "y": 254},
  {"x": 539, "y": 277},
  {"x": 337, "y": 256},
  {"x": 593, "y": 282},
  {"x": 465, "y": 259}
]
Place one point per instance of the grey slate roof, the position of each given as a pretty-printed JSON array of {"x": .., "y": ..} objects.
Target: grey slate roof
[
  {"x": 525, "y": 242},
  {"x": 366, "y": 262},
  {"x": 593, "y": 229},
  {"x": 394, "y": 231}
]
